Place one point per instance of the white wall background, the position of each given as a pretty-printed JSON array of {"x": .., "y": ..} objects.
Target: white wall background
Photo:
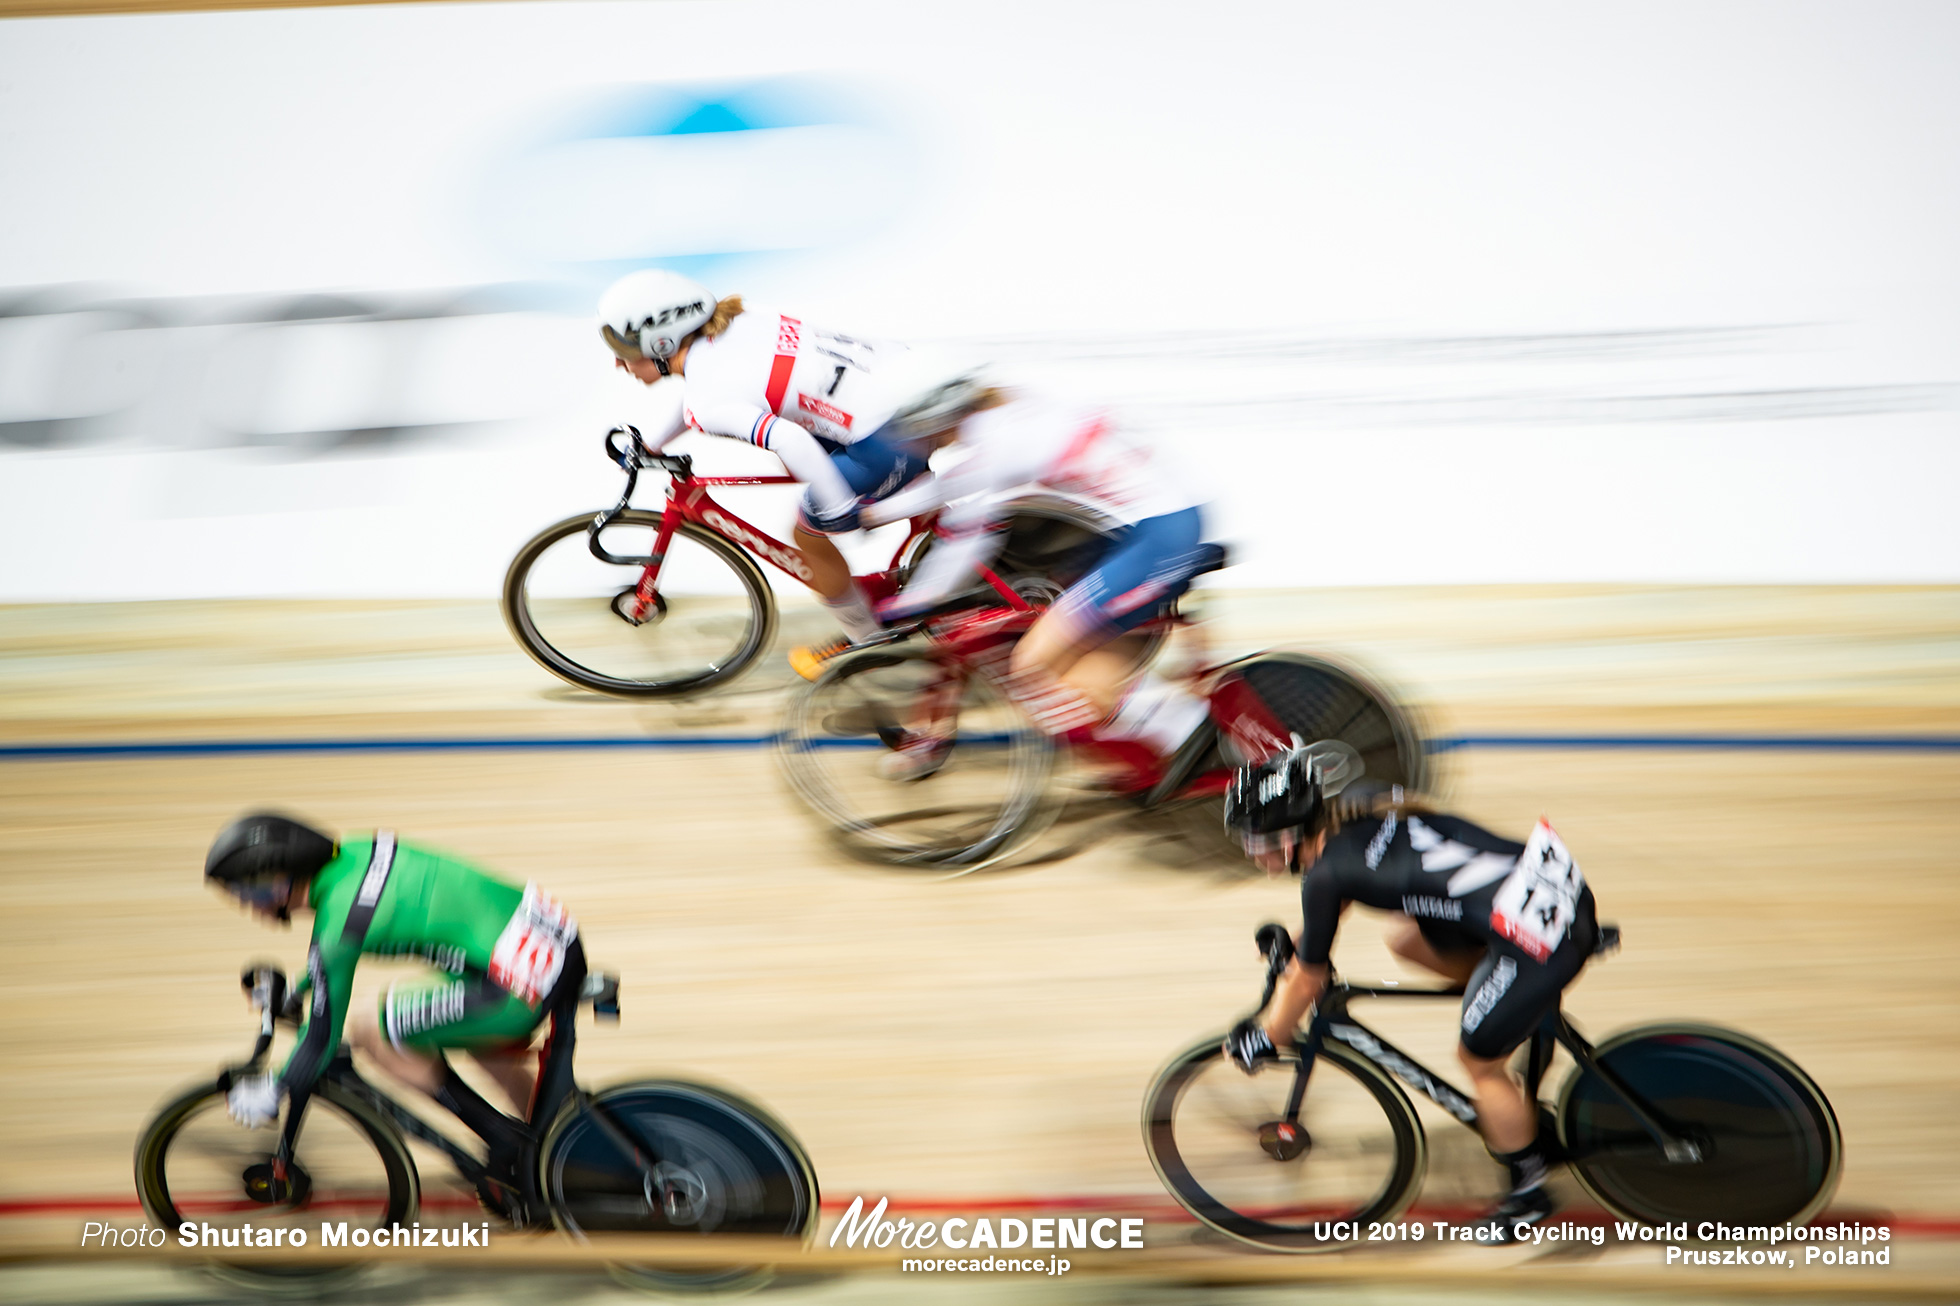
[{"x": 1436, "y": 293}]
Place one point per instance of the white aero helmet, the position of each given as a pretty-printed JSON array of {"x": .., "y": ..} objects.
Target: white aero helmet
[
  {"x": 647, "y": 314},
  {"x": 936, "y": 392}
]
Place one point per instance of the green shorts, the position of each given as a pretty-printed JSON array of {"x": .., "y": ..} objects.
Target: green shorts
[{"x": 469, "y": 1012}]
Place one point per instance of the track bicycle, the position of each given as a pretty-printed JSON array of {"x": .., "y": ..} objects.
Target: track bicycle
[
  {"x": 1661, "y": 1123},
  {"x": 651, "y": 604},
  {"x": 648, "y": 1156},
  {"x": 993, "y": 794}
]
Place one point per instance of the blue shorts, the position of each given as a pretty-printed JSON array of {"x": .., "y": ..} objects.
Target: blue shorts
[
  {"x": 1147, "y": 567},
  {"x": 876, "y": 467}
]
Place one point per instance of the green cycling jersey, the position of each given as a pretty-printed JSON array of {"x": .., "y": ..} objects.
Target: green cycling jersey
[{"x": 441, "y": 909}]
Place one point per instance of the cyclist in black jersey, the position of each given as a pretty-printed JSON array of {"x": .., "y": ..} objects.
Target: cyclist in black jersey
[{"x": 1512, "y": 922}]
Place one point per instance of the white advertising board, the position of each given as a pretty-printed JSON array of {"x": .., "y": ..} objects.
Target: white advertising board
[{"x": 295, "y": 302}]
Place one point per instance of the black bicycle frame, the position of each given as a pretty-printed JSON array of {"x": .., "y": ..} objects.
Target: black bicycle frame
[
  {"x": 1331, "y": 1020},
  {"x": 555, "y": 1087}
]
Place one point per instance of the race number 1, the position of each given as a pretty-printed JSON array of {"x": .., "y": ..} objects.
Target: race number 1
[{"x": 1534, "y": 906}]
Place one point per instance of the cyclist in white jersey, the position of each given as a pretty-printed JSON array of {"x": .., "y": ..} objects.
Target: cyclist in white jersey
[
  {"x": 1070, "y": 671},
  {"x": 817, "y": 399}
]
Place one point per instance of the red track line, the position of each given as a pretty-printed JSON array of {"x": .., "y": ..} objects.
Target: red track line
[{"x": 1159, "y": 1208}]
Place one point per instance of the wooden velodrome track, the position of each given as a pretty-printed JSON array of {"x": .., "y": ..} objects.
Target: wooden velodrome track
[{"x": 989, "y": 1038}]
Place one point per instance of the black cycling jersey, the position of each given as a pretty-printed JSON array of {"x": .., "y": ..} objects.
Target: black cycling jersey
[{"x": 1526, "y": 905}]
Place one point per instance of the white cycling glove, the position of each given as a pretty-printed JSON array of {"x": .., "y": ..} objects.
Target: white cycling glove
[{"x": 254, "y": 1101}]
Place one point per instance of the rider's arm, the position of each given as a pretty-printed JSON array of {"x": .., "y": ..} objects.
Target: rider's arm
[
  {"x": 1305, "y": 978},
  {"x": 799, "y": 450},
  {"x": 330, "y": 975},
  {"x": 1298, "y": 989}
]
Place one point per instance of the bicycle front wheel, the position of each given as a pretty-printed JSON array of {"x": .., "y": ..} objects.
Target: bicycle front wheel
[
  {"x": 193, "y": 1165},
  {"x": 988, "y": 798},
  {"x": 1770, "y": 1145},
  {"x": 1220, "y": 1142},
  {"x": 720, "y": 1166},
  {"x": 713, "y": 614}
]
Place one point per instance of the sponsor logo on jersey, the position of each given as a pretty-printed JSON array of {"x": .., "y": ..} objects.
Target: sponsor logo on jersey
[
  {"x": 1495, "y": 986},
  {"x": 1378, "y": 846},
  {"x": 377, "y": 871},
  {"x": 788, "y": 559},
  {"x": 829, "y": 412},
  {"x": 1442, "y": 909}
]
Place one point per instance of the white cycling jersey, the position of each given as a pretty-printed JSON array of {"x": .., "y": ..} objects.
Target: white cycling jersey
[
  {"x": 1036, "y": 444},
  {"x": 778, "y": 383}
]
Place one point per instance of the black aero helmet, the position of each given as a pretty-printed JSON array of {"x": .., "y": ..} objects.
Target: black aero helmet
[
  {"x": 1288, "y": 793},
  {"x": 1272, "y": 797},
  {"x": 262, "y": 845}
]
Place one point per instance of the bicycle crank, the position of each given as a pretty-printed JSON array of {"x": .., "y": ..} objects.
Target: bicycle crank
[{"x": 1284, "y": 1140}]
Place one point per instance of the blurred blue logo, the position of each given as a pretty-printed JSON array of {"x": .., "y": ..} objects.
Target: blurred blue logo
[{"x": 690, "y": 174}]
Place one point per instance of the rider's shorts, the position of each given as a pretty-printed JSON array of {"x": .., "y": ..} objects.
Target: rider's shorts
[
  {"x": 469, "y": 1011},
  {"x": 875, "y": 468},
  {"x": 1148, "y": 566},
  {"x": 1511, "y": 991}
]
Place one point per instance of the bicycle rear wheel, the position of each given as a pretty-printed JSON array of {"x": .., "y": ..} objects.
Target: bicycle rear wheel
[
  {"x": 1771, "y": 1147},
  {"x": 1317, "y": 699},
  {"x": 723, "y": 1165},
  {"x": 573, "y": 613},
  {"x": 1208, "y": 1127},
  {"x": 194, "y": 1165},
  {"x": 988, "y": 798}
]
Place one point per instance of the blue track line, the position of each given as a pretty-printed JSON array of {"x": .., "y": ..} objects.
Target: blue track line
[{"x": 1451, "y": 744}]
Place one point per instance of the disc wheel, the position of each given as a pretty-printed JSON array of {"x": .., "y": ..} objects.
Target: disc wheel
[
  {"x": 1317, "y": 699},
  {"x": 581, "y": 618},
  {"x": 194, "y": 1165},
  {"x": 722, "y": 1167},
  {"x": 1218, "y": 1136},
  {"x": 988, "y": 797},
  {"x": 1771, "y": 1150}
]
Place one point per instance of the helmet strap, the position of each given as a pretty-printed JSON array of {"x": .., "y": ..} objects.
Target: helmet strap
[{"x": 665, "y": 370}]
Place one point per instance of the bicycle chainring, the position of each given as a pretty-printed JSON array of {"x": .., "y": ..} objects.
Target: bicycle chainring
[
  {"x": 1284, "y": 1140},
  {"x": 263, "y": 1186},
  {"x": 624, "y": 603}
]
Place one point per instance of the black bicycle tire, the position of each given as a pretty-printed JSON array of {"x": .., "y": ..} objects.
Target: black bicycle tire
[
  {"x": 1590, "y": 1171},
  {"x": 404, "y": 1181},
  {"x": 1411, "y": 1147},
  {"x": 762, "y": 604},
  {"x": 1025, "y": 815},
  {"x": 763, "y": 1124}
]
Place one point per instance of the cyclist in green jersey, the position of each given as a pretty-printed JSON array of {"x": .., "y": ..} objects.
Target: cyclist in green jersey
[{"x": 506, "y": 953}]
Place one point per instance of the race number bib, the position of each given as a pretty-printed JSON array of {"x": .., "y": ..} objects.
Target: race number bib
[
  {"x": 531, "y": 950},
  {"x": 1534, "y": 906}
]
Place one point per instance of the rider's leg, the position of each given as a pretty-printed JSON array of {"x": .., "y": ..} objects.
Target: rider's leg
[
  {"x": 1507, "y": 997},
  {"x": 513, "y": 1069},
  {"x": 415, "y": 1022},
  {"x": 1407, "y": 939},
  {"x": 1508, "y": 1122},
  {"x": 416, "y": 1069},
  {"x": 1077, "y": 654},
  {"x": 874, "y": 468}
]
